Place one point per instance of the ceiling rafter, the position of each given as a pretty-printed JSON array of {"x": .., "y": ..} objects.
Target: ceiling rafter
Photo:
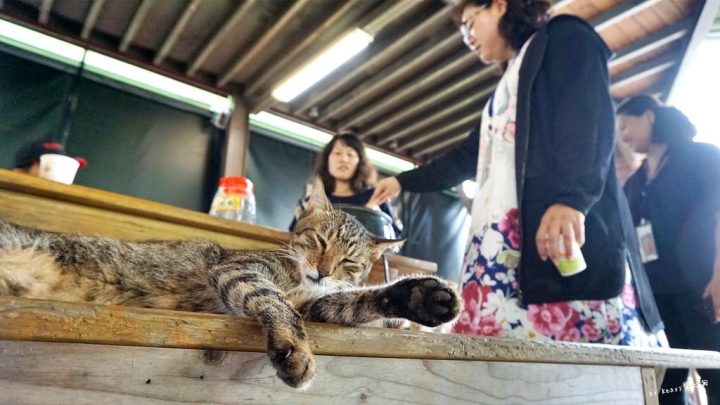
[
  {"x": 652, "y": 42},
  {"x": 643, "y": 70},
  {"x": 177, "y": 29},
  {"x": 271, "y": 35},
  {"x": 620, "y": 12},
  {"x": 364, "y": 93},
  {"x": 416, "y": 89},
  {"x": 320, "y": 38},
  {"x": 425, "y": 103},
  {"x": 219, "y": 36},
  {"x": 44, "y": 14},
  {"x": 453, "y": 139},
  {"x": 380, "y": 61},
  {"x": 135, "y": 24},
  {"x": 91, "y": 18},
  {"x": 472, "y": 101},
  {"x": 465, "y": 124},
  {"x": 403, "y": 94}
]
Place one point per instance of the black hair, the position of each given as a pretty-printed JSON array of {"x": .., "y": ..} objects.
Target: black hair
[
  {"x": 670, "y": 125},
  {"x": 521, "y": 20},
  {"x": 365, "y": 174}
]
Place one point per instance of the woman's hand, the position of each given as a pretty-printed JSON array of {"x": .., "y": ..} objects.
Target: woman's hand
[
  {"x": 713, "y": 290},
  {"x": 559, "y": 220},
  {"x": 385, "y": 190}
]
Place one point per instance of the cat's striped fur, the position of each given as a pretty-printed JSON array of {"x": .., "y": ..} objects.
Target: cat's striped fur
[{"x": 315, "y": 278}]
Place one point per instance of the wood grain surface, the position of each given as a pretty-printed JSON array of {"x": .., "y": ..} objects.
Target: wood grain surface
[
  {"x": 53, "y": 321},
  {"x": 64, "y": 373}
]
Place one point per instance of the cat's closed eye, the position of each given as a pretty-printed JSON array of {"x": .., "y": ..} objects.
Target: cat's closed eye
[{"x": 321, "y": 241}]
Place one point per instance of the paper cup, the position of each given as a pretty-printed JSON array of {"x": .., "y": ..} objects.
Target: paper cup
[
  {"x": 58, "y": 168},
  {"x": 573, "y": 266}
]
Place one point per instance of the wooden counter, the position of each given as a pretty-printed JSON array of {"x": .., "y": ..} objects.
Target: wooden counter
[
  {"x": 66, "y": 353},
  {"x": 52, "y": 206}
]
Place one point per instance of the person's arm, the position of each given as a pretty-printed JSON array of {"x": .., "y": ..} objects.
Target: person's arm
[
  {"x": 450, "y": 169},
  {"x": 582, "y": 143},
  {"x": 583, "y": 138},
  {"x": 453, "y": 167}
]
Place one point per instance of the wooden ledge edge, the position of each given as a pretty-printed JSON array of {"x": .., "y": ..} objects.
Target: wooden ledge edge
[
  {"x": 92, "y": 197},
  {"x": 54, "y": 321}
]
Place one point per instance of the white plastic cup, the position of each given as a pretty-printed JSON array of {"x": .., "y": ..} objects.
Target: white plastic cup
[
  {"x": 58, "y": 168},
  {"x": 573, "y": 266}
]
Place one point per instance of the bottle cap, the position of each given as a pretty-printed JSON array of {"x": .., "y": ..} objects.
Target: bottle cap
[{"x": 237, "y": 183}]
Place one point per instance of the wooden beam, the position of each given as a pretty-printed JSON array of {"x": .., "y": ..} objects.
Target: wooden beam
[
  {"x": 646, "y": 69},
  {"x": 271, "y": 35},
  {"x": 702, "y": 28},
  {"x": 42, "y": 373},
  {"x": 238, "y": 139},
  {"x": 475, "y": 101},
  {"x": 91, "y": 18},
  {"x": 178, "y": 28},
  {"x": 26, "y": 200},
  {"x": 356, "y": 99},
  {"x": 377, "y": 62},
  {"x": 436, "y": 97},
  {"x": 289, "y": 63},
  {"x": 620, "y": 12},
  {"x": 135, "y": 24},
  {"x": 44, "y": 13},
  {"x": 456, "y": 137},
  {"x": 651, "y": 42},
  {"x": 466, "y": 123},
  {"x": 54, "y": 321},
  {"x": 219, "y": 36},
  {"x": 415, "y": 90},
  {"x": 379, "y": 18}
]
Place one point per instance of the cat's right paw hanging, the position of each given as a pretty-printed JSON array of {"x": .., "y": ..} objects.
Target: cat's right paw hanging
[{"x": 293, "y": 361}]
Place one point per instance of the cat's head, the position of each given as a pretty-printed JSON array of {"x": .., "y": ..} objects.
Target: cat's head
[{"x": 332, "y": 246}]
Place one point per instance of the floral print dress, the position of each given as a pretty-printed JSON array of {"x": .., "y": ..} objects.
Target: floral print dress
[{"x": 488, "y": 283}]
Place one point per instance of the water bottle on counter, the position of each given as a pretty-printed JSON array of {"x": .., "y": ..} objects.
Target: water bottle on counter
[{"x": 235, "y": 200}]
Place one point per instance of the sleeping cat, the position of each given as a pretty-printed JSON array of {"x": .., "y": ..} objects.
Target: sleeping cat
[{"x": 315, "y": 279}]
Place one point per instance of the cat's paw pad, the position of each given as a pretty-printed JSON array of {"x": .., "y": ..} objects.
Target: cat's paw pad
[
  {"x": 433, "y": 302},
  {"x": 292, "y": 360}
]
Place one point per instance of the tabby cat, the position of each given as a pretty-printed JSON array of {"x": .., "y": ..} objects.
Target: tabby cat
[{"x": 315, "y": 279}]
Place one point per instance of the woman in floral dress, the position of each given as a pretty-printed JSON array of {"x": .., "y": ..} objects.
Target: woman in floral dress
[{"x": 542, "y": 157}]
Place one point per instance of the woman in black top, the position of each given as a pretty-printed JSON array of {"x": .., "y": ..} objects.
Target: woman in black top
[
  {"x": 557, "y": 179},
  {"x": 347, "y": 175},
  {"x": 675, "y": 200}
]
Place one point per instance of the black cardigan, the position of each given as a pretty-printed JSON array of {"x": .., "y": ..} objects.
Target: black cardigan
[{"x": 564, "y": 153}]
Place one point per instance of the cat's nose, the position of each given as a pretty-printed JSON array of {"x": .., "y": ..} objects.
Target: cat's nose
[{"x": 323, "y": 271}]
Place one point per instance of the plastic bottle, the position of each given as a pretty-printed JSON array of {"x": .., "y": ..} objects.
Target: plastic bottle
[{"x": 235, "y": 200}]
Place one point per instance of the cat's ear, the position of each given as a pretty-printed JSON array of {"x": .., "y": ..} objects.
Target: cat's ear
[
  {"x": 318, "y": 200},
  {"x": 381, "y": 245}
]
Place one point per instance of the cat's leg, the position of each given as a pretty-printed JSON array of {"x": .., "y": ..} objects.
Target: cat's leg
[
  {"x": 428, "y": 301},
  {"x": 248, "y": 292}
]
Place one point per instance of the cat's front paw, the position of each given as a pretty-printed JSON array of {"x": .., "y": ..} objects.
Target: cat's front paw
[
  {"x": 429, "y": 301},
  {"x": 291, "y": 357}
]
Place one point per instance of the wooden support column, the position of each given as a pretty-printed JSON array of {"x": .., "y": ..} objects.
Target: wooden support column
[{"x": 238, "y": 139}]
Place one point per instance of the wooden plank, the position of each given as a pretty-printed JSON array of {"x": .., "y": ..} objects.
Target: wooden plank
[
  {"x": 37, "y": 320},
  {"x": 52, "y": 190},
  {"x": 650, "y": 386},
  {"x": 62, "y": 216},
  {"x": 57, "y": 373}
]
